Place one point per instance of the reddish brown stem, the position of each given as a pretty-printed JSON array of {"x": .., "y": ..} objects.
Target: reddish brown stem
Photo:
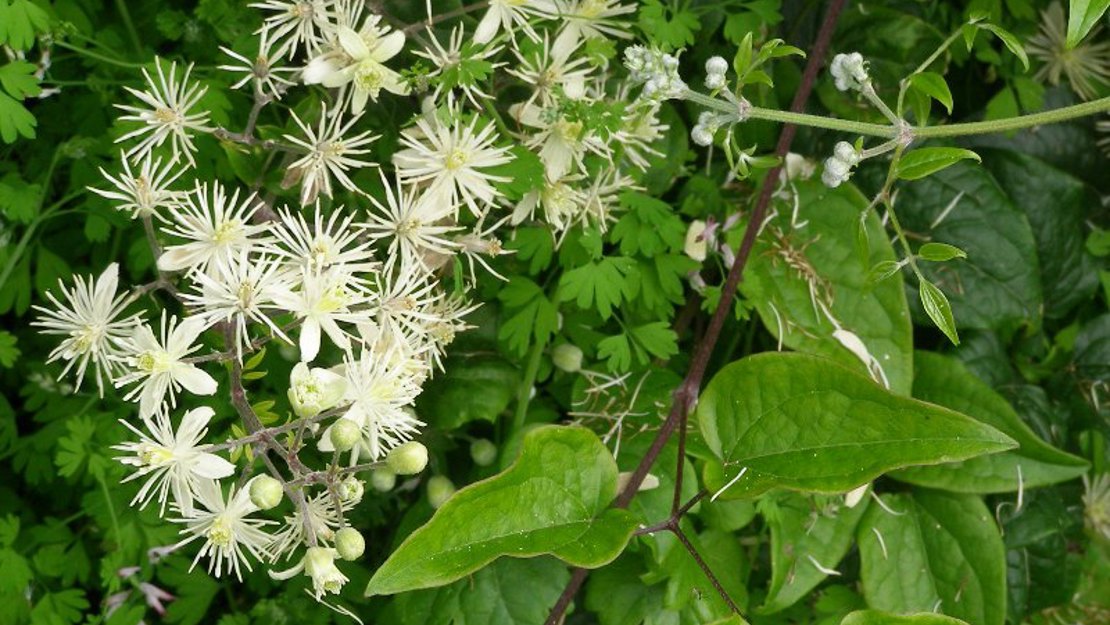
[{"x": 685, "y": 396}]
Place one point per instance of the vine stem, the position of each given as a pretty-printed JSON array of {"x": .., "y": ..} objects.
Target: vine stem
[
  {"x": 686, "y": 395},
  {"x": 524, "y": 392}
]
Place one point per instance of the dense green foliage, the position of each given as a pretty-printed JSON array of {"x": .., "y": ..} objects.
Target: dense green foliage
[{"x": 984, "y": 455}]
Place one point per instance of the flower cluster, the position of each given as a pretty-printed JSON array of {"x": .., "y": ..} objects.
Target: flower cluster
[
  {"x": 657, "y": 70},
  {"x": 849, "y": 71},
  {"x": 838, "y": 167}
]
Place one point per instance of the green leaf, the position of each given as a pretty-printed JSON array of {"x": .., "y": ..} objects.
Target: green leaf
[
  {"x": 946, "y": 382},
  {"x": 1009, "y": 40},
  {"x": 648, "y": 227},
  {"x": 598, "y": 286},
  {"x": 806, "y": 423},
  {"x": 19, "y": 200},
  {"x": 1082, "y": 17},
  {"x": 998, "y": 285},
  {"x": 532, "y": 317},
  {"x": 474, "y": 388},
  {"x": 804, "y": 538},
  {"x": 875, "y": 617},
  {"x": 818, "y": 262},
  {"x": 195, "y": 592},
  {"x": 939, "y": 310},
  {"x": 553, "y": 500},
  {"x": 20, "y": 20},
  {"x": 934, "y": 86},
  {"x": 939, "y": 552},
  {"x": 940, "y": 252},
  {"x": 18, "y": 79},
  {"x": 64, "y": 607},
  {"x": 9, "y": 353},
  {"x": 672, "y": 26},
  {"x": 536, "y": 245},
  {"x": 507, "y": 592},
  {"x": 1066, "y": 267},
  {"x": 17, "y": 573},
  {"x": 926, "y": 161}
]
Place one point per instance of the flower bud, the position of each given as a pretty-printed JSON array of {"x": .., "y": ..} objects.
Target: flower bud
[
  {"x": 383, "y": 480},
  {"x": 319, "y": 564},
  {"x": 702, "y": 136},
  {"x": 349, "y": 543},
  {"x": 714, "y": 81},
  {"x": 351, "y": 490},
  {"x": 716, "y": 65},
  {"x": 567, "y": 358},
  {"x": 849, "y": 71},
  {"x": 344, "y": 434},
  {"x": 408, "y": 459},
  {"x": 846, "y": 152},
  {"x": 483, "y": 452},
  {"x": 266, "y": 492},
  {"x": 312, "y": 391},
  {"x": 440, "y": 490}
]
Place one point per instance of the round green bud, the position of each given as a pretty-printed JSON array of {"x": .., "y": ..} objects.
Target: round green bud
[
  {"x": 351, "y": 490},
  {"x": 408, "y": 459},
  {"x": 266, "y": 492},
  {"x": 567, "y": 358},
  {"x": 440, "y": 490},
  {"x": 345, "y": 434},
  {"x": 483, "y": 452},
  {"x": 383, "y": 480},
  {"x": 349, "y": 543}
]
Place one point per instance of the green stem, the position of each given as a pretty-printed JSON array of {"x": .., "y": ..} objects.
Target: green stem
[
  {"x": 96, "y": 56},
  {"x": 125, "y": 15},
  {"x": 905, "y": 82},
  {"x": 111, "y": 507},
  {"x": 43, "y": 215},
  {"x": 524, "y": 393},
  {"x": 1016, "y": 123}
]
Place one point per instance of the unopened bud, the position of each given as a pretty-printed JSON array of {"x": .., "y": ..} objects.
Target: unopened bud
[
  {"x": 351, "y": 490},
  {"x": 349, "y": 543},
  {"x": 484, "y": 452},
  {"x": 440, "y": 490},
  {"x": 383, "y": 480},
  {"x": 345, "y": 434},
  {"x": 408, "y": 459},
  {"x": 716, "y": 65},
  {"x": 846, "y": 152},
  {"x": 567, "y": 357},
  {"x": 266, "y": 492}
]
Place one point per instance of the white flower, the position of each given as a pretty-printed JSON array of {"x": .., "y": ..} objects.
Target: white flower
[
  {"x": 451, "y": 160},
  {"x": 696, "y": 245},
  {"x": 510, "y": 15},
  {"x": 216, "y": 227},
  {"x": 551, "y": 75},
  {"x": 312, "y": 391},
  {"x": 563, "y": 204},
  {"x": 173, "y": 462},
  {"x": 329, "y": 154},
  {"x": 319, "y": 564},
  {"x": 169, "y": 115},
  {"x": 849, "y": 71},
  {"x": 261, "y": 71},
  {"x": 381, "y": 391},
  {"x": 146, "y": 193},
  {"x": 323, "y": 244},
  {"x": 415, "y": 226},
  {"x": 229, "y": 535},
  {"x": 590, "y": 19},
  {"x": 323, "y": 517},
  {"x": 324, "y": 298},
  {"x": 297, "y": 24},
  {"x": 158, "y": 366},
  {"x": 562, "y": 142},
  {"x": 89, "y": 321},
  {"x": 239, "y": 291},
  {"x": 360, "y": 62}
]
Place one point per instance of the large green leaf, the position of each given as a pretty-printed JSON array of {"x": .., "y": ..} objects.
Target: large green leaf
[
  {"x": 998, "y": 284},
  {"x": 806, "y": 423},
  {"x": 1057, "y": 206},
  {"x": 507, "y": 592},
  {"x": 553, "y": 500},
  {"x": 794, "y": 268},
  {"x": 945, "y": 381},
  {"x": 805, "y": 542},
  {"x": 937, "y": 552},
  {"x": 473, "y": 388},
  {"x": 875, "y": 617}
]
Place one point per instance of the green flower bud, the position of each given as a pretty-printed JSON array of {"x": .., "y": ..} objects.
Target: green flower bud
[
  {"x": 349, "y": 543},
  {"x": 344, "y": 434},
  {"x": 266, "y": 492},
  {"x": 351, "y": 490},
  {"x": 408, "y": 459},
  {"x": 483, "y": 452},
  {"x": 440, "y": 490},
  {"x": 383, "y": 480},
  {"x": 567, "y": 358}
]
